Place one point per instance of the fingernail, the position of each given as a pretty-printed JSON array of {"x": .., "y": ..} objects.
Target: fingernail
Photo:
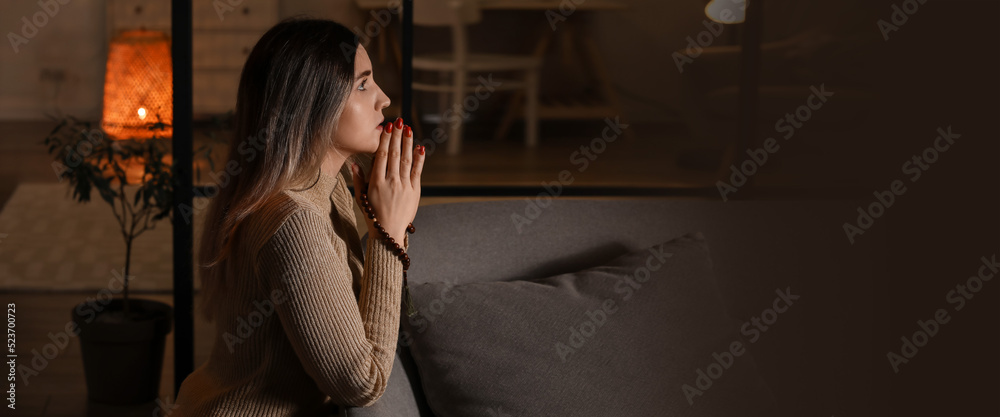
[
  {"x": 421, "y": 149},
  {"x": 406, "y": 131},
  {"x": 399, "y": 123},
  {"x": 388, "y": 129}
]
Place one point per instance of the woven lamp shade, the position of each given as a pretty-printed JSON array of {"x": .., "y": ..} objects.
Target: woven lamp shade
[{"x": 138, "y": 85}]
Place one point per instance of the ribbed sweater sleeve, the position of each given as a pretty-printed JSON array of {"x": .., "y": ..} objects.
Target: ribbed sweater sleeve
[{"x": 349, "y": 355}]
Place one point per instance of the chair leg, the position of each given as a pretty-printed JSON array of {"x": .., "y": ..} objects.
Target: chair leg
[
  {"x": 508, "y": 116},
  {"x": 457, "y": 114},
  {"x": 531, "y": 109}
]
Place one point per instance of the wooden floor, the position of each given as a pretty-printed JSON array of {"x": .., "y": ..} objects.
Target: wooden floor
[{"x": 59, "y": 388}]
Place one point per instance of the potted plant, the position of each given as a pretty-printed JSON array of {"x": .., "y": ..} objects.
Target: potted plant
[{"x": 122, "y": 339}]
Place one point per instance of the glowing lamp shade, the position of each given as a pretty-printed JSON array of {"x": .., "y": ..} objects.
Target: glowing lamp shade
[
  {"x": 138, "y": 85},
  {"x": 726, "y": 11}
]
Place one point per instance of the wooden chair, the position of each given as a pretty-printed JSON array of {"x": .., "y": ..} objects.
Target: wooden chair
[{"x": 462, "y": 65}]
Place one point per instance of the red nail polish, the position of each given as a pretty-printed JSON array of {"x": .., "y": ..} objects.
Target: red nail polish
[
  {"x": 388, "y": 128},
  {"x": 406, "y": 131},
  {"x": 421, "y": 149},
  {"x": 399, "y": 123}
]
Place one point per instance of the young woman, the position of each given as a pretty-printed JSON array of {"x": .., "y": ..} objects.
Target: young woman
[{"x": 305, "y": 321}]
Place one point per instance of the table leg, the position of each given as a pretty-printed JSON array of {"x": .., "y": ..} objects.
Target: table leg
[
  {"x": 592, "y": 59},
  {"x": 603, "y": 79},
  {"x": 514, "y": 104}
]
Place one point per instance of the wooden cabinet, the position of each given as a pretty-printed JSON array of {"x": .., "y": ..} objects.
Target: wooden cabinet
[
  {"x": 237, "y": 15},
  {"x": 225, "y": 32},
  {"x": 135, "y": 14}
]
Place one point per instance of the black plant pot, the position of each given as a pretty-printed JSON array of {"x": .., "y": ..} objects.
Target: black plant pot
[{"x": 123, "y": 359}]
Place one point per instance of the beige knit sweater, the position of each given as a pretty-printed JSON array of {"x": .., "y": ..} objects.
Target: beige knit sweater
[{"x": 310, "y": 324}]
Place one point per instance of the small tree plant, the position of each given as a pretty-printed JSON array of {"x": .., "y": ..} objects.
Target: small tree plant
[{"x": 89, "y": 159}]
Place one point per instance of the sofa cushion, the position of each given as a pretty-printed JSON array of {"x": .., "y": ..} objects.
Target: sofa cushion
[{"x": 644, "y": 334}]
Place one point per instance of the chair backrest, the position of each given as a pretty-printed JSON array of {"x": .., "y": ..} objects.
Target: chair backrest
[
  {"x": 454, "y": 13},
  {"x": 446, "y": 12}
]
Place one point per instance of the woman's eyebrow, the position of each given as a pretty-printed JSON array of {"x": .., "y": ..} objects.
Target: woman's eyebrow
[{"x": 364, "y": 73}]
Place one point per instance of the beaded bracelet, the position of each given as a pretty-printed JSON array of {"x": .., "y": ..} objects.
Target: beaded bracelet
[{"x": 397, "y": 250}]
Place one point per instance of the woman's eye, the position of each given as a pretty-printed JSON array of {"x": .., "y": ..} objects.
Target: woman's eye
[{"x": 362, "y": 86}]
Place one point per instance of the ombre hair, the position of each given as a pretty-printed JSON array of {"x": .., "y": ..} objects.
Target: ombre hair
[{"x": 292, "y": 91}]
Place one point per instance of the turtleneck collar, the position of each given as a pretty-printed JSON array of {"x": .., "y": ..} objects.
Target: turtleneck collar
[{"x": 319, "y": 189}]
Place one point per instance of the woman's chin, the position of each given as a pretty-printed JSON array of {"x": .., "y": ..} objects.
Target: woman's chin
[{"x": 376, "y": 139}]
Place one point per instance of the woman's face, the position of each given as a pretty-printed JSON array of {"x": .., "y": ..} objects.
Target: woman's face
[{"x": 359, "y": 128}]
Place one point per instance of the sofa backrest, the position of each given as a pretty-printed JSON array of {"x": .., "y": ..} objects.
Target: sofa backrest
[{"x": 755, "y": 248}]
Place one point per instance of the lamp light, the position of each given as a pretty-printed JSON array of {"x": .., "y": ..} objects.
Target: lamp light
[
  {"x": 138, "y": 85},
  {"x": 726, "y": 11}
]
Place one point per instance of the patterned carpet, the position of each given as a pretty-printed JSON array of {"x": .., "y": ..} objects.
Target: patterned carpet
[{"x": 50, "y": 242}]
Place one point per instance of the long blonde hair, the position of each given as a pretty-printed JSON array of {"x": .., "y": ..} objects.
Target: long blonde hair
[{"x": 291, "y": 93}]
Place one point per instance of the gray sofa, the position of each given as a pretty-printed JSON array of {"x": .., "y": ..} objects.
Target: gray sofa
[{"x": 756, "y": 248}]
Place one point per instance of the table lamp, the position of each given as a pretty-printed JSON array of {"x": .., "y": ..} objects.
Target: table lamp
[
  {"x": 726, "y": 11},
  {"x": 138, "y": 85}
]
